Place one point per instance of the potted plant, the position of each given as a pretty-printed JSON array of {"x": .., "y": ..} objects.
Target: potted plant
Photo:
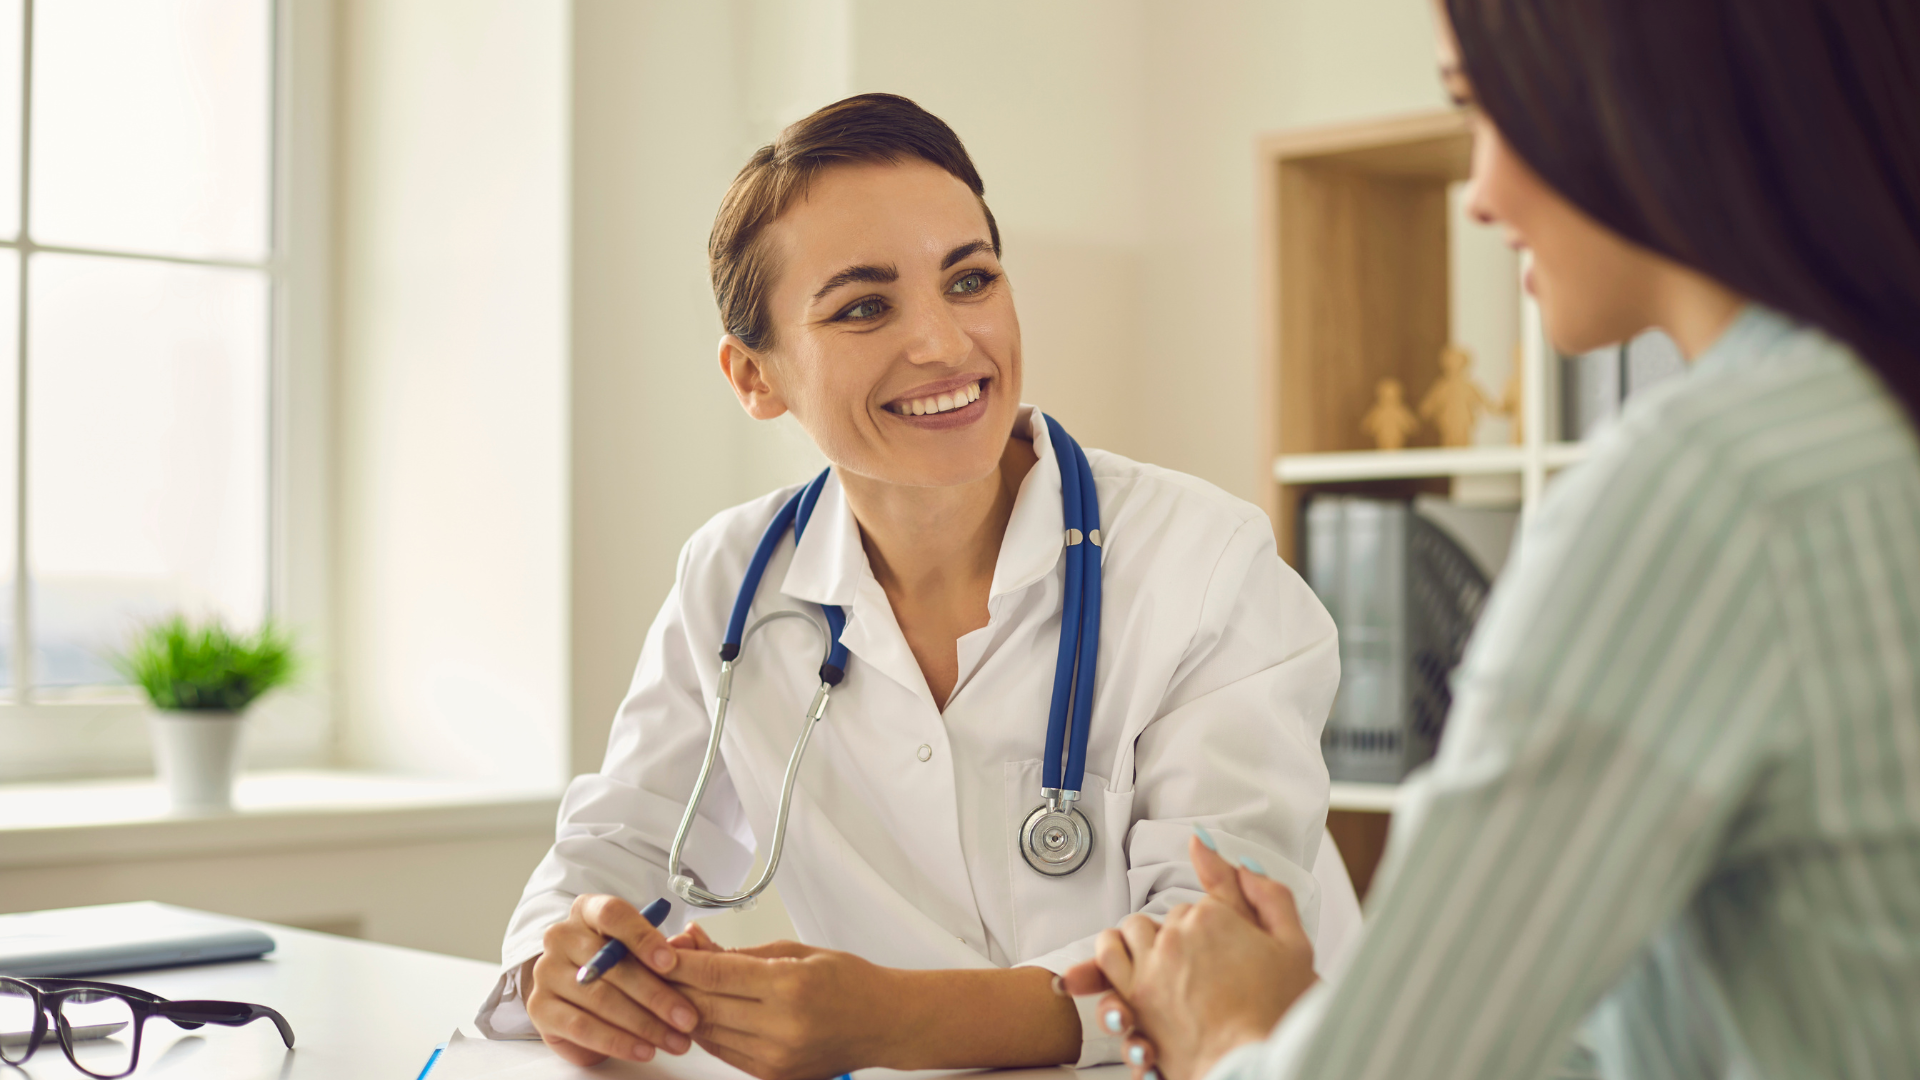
[{"x": 200, "y": 679}]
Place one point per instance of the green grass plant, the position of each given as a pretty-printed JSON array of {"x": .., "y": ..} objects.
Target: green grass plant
[{"x": 189, "y": 666}]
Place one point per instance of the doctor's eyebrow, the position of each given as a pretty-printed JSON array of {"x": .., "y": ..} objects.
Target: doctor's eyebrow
[
  {"x": 887, "y": 275},
  {"x": 964, "y": 251},
  {"x": 880, "y": 275}
]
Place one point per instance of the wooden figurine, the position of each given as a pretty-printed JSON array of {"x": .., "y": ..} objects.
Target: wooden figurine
[
  {"x": 1455, "y": 402},
  {"x": 1509, "y": 404},
  {"x": 1389, "y": 421}
]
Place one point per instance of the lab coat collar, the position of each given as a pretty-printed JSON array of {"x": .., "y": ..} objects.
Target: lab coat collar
[
  {"x": 830, "y": 564},
  {"x": 1036, "y": 532}
]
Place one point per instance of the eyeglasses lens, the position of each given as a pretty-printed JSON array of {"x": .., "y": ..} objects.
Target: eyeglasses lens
[
  {"x": 100, "y": 1029},
  {"x": 16, "y": 1022}
]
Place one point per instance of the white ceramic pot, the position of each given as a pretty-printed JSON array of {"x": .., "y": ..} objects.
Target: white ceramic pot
[{"x": 197, "y": 753}]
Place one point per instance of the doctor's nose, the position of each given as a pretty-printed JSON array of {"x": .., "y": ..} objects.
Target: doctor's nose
[{"x": 936, "y": 337}]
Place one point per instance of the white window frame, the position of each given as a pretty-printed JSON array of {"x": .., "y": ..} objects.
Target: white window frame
[{"x": 56, "y": 732}]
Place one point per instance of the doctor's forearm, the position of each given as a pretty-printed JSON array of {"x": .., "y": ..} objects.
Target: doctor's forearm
[{"x": 979, "y": 1018}]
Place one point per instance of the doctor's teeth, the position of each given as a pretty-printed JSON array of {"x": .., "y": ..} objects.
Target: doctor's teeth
[{"x": 939, "y": 403}]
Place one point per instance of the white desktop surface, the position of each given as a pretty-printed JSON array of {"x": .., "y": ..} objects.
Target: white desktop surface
[
  {"x": 359, "y": 1011},
  {"x": 469, "y": 1057},
  {"x": 362, "y": 1011}
]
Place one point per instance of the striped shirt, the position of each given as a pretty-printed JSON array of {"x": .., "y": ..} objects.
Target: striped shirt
[{"x": 1679, "y": 795}]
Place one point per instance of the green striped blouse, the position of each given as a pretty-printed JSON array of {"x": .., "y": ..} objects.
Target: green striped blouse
[{"x": 1679, "y": 795}]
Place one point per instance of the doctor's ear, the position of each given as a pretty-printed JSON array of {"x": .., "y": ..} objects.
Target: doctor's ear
[{"x": 746, "y": 372}]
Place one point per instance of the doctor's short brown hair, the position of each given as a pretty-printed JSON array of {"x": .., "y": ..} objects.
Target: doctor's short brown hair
[{"x": 863, "y": 128}]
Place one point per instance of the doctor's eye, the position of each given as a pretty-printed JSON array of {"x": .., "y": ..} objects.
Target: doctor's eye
[
  {"x": 971, "y": 282},
  {"x": 870, "y": 308}
]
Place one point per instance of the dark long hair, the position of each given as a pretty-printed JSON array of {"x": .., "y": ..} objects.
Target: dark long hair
[{"x": 1773, "y": 145}]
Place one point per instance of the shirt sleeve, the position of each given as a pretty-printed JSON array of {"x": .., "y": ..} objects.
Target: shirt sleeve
[
  {"x": 1608, "y": 721},
  {"x": 616, "y": 826},
  {"x": 1235, "y": 746}
]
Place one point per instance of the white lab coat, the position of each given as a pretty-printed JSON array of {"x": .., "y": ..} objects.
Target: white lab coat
[{"x": 1217, "y": 667}]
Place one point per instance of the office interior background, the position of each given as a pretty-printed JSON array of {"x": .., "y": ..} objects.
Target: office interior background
[{"x": 444, "y": 397}]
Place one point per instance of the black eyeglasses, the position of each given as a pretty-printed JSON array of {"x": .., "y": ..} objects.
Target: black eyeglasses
[{"x": 99, "y": 1024}]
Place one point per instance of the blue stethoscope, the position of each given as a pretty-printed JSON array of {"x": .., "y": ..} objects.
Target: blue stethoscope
[{"x": 1056, "y": 838}]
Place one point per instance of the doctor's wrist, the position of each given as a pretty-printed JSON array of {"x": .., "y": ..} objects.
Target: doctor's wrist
[{"x": 902, "y": 1014}]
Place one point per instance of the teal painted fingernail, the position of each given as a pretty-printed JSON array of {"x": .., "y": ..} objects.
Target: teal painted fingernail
[
  {"x": 1113, "y": 1020},
  {"x": 1137, "y": 1054},
  {"x": 1205, "y": 837},
  {"x": 1152, "y": 1074},
  {"x": 1247, "y": 861}
]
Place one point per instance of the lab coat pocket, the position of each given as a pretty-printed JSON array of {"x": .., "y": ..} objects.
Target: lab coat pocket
[{"x": 1051, "y": 912}]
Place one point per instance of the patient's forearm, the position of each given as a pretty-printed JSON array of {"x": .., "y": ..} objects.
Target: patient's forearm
[{"x": 981, "y": 1018}]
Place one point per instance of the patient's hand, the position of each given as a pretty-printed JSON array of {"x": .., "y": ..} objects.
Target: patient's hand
[
  {"x": 1215, "y": 975},
  {"x": 784, "y": 1010}
]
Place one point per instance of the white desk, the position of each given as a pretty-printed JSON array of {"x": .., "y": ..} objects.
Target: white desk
[
  {"x": 362, "y": 1011},
  {"x": 472, "y": 1058},
  {"x": 359, "y": 1011}
]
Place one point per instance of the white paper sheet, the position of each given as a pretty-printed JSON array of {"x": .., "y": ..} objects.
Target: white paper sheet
[{"x": 470, "y": 1057}]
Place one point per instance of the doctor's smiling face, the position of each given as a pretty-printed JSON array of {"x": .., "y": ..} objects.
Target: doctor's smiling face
[{"x": 892, "y": 333}]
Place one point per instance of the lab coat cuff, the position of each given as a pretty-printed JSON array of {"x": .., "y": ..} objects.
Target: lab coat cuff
[
  {"x": 1097, "y": 1045},
  {"x": 504, "y": 1014}
]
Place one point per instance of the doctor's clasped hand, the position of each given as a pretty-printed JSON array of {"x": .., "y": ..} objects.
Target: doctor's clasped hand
[
  {"x": 631, "y": 1011},
  {"x": 784, "y": 1010}
]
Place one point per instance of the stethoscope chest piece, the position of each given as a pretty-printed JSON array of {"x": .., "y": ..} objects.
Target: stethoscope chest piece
[{"x": 1056, "y": 840}]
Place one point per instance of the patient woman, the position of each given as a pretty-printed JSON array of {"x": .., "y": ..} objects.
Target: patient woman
[
  {"x": 1679, "y": 795},
  {"x": 858, "y": 276}
]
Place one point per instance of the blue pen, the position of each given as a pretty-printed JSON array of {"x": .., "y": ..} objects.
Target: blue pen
[{"x": 615, "y": 950}]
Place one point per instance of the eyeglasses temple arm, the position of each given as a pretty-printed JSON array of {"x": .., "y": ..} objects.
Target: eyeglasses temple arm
[{"x": 224, "y": 1013}]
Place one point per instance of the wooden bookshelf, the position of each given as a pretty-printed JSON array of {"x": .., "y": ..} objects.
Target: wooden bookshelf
[{"x": 1355, "y": 285}]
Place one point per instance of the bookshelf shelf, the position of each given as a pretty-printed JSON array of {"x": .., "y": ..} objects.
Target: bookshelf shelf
[
  {"x": 1356, "y": 282},
  {"x": 1363, "y": 798},
  {"x": 1562, "y": 454},
  {"x": 1358, "y": 465}
]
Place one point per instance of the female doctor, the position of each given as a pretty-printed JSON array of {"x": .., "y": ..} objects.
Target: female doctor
[{"x": 857, "y": 272}]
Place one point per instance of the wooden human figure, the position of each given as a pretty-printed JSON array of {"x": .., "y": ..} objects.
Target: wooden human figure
[
  {"x": 1455, "y": 402},
  {"x": 1509, "y": 403},
  {"x": 1389, "y": 421}
]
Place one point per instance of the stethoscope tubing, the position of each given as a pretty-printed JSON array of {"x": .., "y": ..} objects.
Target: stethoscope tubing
[
  {"x": 796, "y": 512},
  {"x": 1089, "y": 633},
  {"x": 1058, "y": 712},
  {"x": 1069, "y": 717}
]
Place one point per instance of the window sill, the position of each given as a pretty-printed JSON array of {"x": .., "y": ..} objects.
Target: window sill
[{"x": 89, "y": 821}]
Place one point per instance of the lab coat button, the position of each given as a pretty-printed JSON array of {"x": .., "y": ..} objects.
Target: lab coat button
[{"x": 925, "y": 753}]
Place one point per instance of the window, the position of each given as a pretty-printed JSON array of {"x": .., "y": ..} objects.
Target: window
[{"x": 138, "y": 273}]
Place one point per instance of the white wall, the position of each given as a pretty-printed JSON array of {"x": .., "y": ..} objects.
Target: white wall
[
  {"x": 450, "y": 380},
  {"x": 449, "y": 896}
]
